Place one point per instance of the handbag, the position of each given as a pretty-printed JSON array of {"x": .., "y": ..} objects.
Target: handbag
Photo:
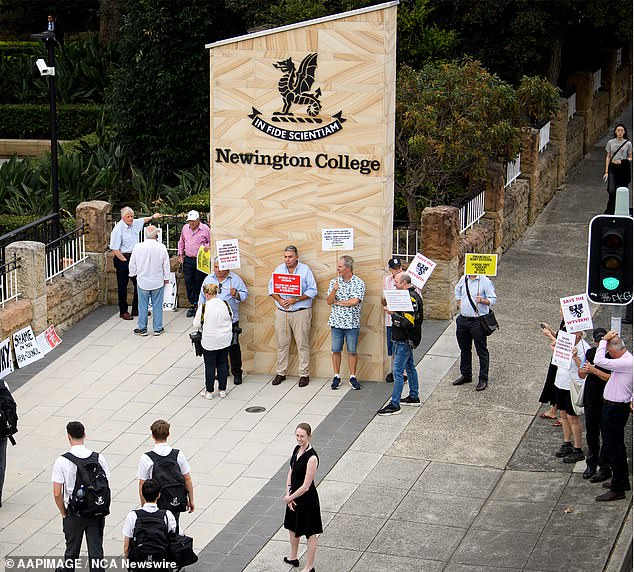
[
  {"x": 197, "y": 336},
  {"x": 235, "y": 330},
  {"x": 488, "y": 321},
  {"x": 180, "y": 550}
]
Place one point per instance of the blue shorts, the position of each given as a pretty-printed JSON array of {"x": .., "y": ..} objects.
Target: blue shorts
[
  {"x": 388, "y": 331},
  {"x": 338, "y": 334}
]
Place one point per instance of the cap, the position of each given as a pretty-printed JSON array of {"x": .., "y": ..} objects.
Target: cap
[
  {"x": 193, "y": 215},
  {"x": 598, "y": 333},
  {"x": 394, "y": 262}
]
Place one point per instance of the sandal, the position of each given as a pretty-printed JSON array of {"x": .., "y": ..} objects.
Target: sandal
[
  {"x": 544, "y": 416},
  {"x": 557, "y": 423}
]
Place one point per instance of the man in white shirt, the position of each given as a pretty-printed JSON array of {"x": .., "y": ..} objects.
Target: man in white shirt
[
  {"x": 150, "y": 493},
  {"x": 160, "y": 432},
  {"x": 150, "y": 263},
  {"x": 63, "y": 478}
]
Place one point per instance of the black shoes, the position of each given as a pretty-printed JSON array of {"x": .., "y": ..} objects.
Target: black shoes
[
  {"x": 191, "y": 311},
  {"x": 564, "y": 450},
  {"x": 462, "y": 379},
  {"x": 482, "y": 385},
  {"x": 389, "y": 378},
  {"x": 292, "y": 562},
  {"x": 278, "y": 379},
  {"x": 600, "y": 476},
  {"x": 304, "y": 380},
  {"x": 389, "y": 409},
  {"x": 237, "y": 379},
  {"x": 574, "y": 456},
  {"x": 608, "y": 485},
  {"x": 413, "y": 401},
  {"x": 610, "y": 496},
  {"x": 589, "y": 472}
]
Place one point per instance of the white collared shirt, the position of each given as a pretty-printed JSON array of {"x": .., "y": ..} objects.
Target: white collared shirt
[
  {"x": 146, "y": 465},
  {"x": 130, "y": 520},
  {"x": 150, "y": 263},
  {"x": 65, "y": 471}
]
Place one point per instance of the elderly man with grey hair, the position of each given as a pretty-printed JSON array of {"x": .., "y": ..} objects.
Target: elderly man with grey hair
[
  {"x": 345, "y": 296},
  {"x": 150, "y": 263},
  {"x": 124, "y": 237}
]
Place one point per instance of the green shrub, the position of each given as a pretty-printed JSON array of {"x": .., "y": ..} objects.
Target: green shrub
[
  {"x": 32, "y": 121},
  {"x": 11, "y": 222},
  {"x": 199, "y": 202},
  {"x": 538, "y": 99},
  {"x": 8, "y": 49}
]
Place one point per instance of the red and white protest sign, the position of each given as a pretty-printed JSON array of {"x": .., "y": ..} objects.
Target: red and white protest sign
[
  {"x": 420, "y": 270},
  {"x": 576, "y": 312},
  {"x": 287, "y": 284}
]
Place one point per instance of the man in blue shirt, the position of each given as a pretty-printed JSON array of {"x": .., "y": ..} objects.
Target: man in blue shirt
[
  {"x": 293, "y": 315},
  {"x": 124, "y": 237},
  {"x": 233, "y": 290},
  {"x": 468, "y": 327}
]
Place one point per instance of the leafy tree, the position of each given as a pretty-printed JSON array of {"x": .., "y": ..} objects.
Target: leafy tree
[{"x": 451, "y": 119}]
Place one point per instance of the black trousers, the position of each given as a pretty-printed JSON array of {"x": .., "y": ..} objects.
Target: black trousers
[
  {"x": 123, "y": 275},
  {"x": 193, "y": 279},
  {"x": 235, "y": 355},
  {"x": 593, "y": 412},
  {"x": 615, "y": 418},
  {"x": 74, "y": 529},
  {"x": 468, "y": 331},
  {"x": 215, "y": 361},
  {"x": 3, "y": 462}
]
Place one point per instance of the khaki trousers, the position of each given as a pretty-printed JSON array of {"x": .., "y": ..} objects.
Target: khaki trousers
[{"x": 297, "y": 323}]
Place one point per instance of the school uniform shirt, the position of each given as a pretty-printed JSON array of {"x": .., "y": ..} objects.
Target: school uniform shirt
[
  {"x": 130, "y": 520},
  {"x": 146, "y": 465},
  {"x": 562, "y": 380},
  {"x": 65, "y": 471}
]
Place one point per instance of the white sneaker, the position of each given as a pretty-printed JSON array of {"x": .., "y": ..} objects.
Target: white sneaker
[
  {"x": 203, "y": 392},
  {"x": 223, "y": 394},
  {"x": 209, "y": 395}
]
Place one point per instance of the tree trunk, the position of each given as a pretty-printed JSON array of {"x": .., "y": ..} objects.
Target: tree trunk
[
  {"x": 109, "y": 20},
  {"x": 554, "y": 64},
  {"x": 412, "y": 211}
]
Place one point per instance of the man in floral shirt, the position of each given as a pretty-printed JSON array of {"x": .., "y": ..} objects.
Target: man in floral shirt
[{"x": 345, "y": 295}]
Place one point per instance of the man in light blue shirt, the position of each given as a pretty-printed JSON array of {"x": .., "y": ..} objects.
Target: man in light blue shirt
[
  {"x": 233, "y": 290},
  {"x": 468, "y": 327},
  {"x": 293, "y": 315},
  {"x": 124, "y": 237}
]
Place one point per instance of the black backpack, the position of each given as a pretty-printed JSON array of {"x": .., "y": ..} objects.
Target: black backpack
[
  {"x": 149, "y": 539},
  {"x": 167, "y": 474},
  {"x": 8, "y": 414},
  {"x": 91, "y": 495},
  {"x": 411, "y": 322}
]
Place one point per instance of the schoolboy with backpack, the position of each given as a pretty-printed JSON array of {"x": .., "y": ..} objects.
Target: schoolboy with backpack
[
  {"x": 82, "y": 495},
  {"x": 170, "y": 469}
]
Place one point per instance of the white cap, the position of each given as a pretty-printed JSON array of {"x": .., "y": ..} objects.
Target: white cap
[{"x": 193, "y": 215}]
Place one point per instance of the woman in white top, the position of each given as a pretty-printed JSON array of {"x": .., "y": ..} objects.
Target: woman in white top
[
  {"x": 618, "y": 160},
  {"x": 215, "y": 320}
]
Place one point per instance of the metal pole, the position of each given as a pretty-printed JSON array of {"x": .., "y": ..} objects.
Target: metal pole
[
  {"x": 622, "y": 207},
  {"x": 50, "y": 44}
]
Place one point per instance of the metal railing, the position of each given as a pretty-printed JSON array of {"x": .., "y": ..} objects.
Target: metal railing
[
  {"x": 405, "y": 242},
  {"x": 471, "y": 211},
  {"x": 43, "y": 230},
  {"x": 9, "y": 280},
  {"x": 596, "y": 81},
  {"x": 544, "y": 136},
  {"x": 572, "y": 105},
  {"x": 513, "y": 170},
  {"x": 65, "y": 252},
  {"x": 170, "y": 228}
]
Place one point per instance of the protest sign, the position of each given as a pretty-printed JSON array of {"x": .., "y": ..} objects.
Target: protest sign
[
  {"x": 228, "y": 254},
  {"x": 6, "y": 361},
  {"x": 203, "y": 260},
  {"x": 337, "y": 239},
  {"x": 420, "y": 269},
  {"x": 48, "y": 340},
  {"x": 562, "y": 355},
  {"x": 486, "y": 264},
  {"x": 25, "y": 347},
  {"x": 287, "y": 284},
  {"x": 170, "y": 294},
  {"x": 576, "y": 312},
  {"x": 398, "y": 300}
]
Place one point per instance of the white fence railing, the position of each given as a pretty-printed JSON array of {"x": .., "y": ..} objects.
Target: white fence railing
[
  {"x": 619, "y": 58},
  {"x": 9, "y": 281},
  {"x": 405, "y": 243},
  {"x": 596, "y": 81},
  {"x": 544, "y": 137},
  {"x": 471, "y": 212},
  {"x": 513, "y": 170},
  {"x": 65, "y": 252},
  {"x": 572, "y": 105}
]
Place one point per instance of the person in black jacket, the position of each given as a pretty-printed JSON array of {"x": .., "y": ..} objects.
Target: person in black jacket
[{"x": 406, "y": 335}]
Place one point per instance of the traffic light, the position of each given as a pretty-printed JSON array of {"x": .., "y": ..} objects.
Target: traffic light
[{"x": 609, "y": 278}]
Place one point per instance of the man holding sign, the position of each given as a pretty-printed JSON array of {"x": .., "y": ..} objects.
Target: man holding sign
[{"x": 293, "y": 314}]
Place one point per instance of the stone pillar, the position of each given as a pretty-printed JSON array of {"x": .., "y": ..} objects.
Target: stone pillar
[
  {"x": 609, "y": 81},
  {"x": 440, "y": 241},
  {"x": 32, "y": 278},
  {"x": 494, "y": 201},
  {"x": 530, "y": 170},
  {"x": 581, "y": 83},
  {"x": 558, "y": 138}
]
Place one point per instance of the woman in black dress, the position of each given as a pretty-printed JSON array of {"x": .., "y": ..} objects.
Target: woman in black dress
[
  {"x": 303, "y": 517},
  {"x": 549, "y": 394}
]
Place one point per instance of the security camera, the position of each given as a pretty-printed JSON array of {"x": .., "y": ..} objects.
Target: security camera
[{"x": 44, "y": 69}]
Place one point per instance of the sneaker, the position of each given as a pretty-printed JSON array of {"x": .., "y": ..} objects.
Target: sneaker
[
  {"x": 140, "y": 332},
  {"x": 209, "y": 395},
  {"x": 336, "y": 382},
  {"x": 159, "y": 332},
  {"x": 354, "y": 383},
  {"x": 191, "y": 311},
  {"x": 389, "y": 409},
  {"x": 203, "y": 392},
  {"x": 222, "y": 393},
  {"x": 414, "y": 401},
  {"x": 564, "y": 450},
  {"x": 389, "y": 378},
  {"x": 576, "y": 455}
]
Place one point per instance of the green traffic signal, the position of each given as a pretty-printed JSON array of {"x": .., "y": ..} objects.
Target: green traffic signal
[{"x": 611, "y": 283}]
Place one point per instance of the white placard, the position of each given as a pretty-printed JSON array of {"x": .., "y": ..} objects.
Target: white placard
[
  {"x": 170, "y": 294},
  {"x": 48, "y": 340},
  {"x": 228, "y": 254},
  {"x": 576, "y": 312},
  {"x": 6, "y": 361},
  {"x": 420, "y": 269},
  {"x": 337, "y": 239},
  {"x": 25, "y": 347},
  {"x": 562, "y": 354},
  {"x": 398, "y": 300}
]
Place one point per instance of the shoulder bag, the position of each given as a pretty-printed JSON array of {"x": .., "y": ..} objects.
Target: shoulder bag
[{"x": 488, "y": 321}]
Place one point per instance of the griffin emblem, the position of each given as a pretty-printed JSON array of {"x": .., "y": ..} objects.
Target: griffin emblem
[{"x": 294, "y": 85}]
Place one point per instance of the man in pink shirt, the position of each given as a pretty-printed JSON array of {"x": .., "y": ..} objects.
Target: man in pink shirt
[
  {"x": 194, "y": 235},
  {"x": 617, "y": 401}
]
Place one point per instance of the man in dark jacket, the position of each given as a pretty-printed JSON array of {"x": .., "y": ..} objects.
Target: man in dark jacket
[{"x": 406, "y": 335}]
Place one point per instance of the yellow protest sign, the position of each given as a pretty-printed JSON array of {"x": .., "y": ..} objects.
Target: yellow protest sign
[
  {"x": 203, "y": 260},
  {"x": 486, "y": 264}
]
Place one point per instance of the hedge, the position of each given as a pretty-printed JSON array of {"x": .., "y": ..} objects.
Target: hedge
[{"x": 32, "y": 121}]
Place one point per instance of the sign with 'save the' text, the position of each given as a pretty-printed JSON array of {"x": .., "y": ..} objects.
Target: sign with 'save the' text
[
  {"x": 486, "y": 264},
  {"x": 576, "y": 313},
  {"x": 420, "y": 270},
  {"x": 287, "y": 284}
]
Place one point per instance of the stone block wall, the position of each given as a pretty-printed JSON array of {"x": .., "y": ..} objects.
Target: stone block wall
[{"x": 574, "y": 142}]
